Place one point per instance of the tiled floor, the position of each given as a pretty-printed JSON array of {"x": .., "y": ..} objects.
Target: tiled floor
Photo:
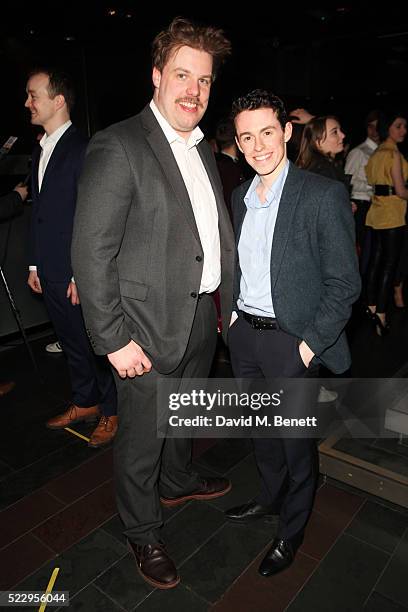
[{"x": 58, "y": 510}]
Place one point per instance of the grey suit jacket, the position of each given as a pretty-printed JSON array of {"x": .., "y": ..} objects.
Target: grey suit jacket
[
  {"x": 314, "y": 268},
  {"x": 136, "y": 252}
]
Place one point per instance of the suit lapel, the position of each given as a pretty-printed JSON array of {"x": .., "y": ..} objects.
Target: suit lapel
[
  {"x": 34, "y": 169},
  {"x": 287, "y": 207},
  {"x": 240, "y": 220},
  {"x": 56, "y": 155},
  {"x": 162, "y": 151}
]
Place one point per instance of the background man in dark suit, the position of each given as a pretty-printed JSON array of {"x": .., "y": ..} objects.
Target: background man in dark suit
[
  {"x": 56, "y": 166},
  {"x": 228, "y": 163},
  {"x": 296, "y": 279},
  {"x": 11, "y": 205},
  {"x": 152, "y": 241}
]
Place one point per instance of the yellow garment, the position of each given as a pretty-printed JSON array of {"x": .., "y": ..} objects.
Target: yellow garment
[{"x": 385, "y": 212}]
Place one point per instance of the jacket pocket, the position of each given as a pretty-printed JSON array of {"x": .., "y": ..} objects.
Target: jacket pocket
[{"x": 133, "y": 290}]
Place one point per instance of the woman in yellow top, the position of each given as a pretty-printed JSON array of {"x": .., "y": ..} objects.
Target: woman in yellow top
[{"x": 387, "y": 171}]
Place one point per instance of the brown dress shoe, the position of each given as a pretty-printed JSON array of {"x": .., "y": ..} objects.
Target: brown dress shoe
[
  {"x": 6, "y": 387},
  {"x": 209, "y": 488},
  {"x": 154, "y": 565},
  {"x": 104, "y": 432},
  {"x": 74, "y": 414}
]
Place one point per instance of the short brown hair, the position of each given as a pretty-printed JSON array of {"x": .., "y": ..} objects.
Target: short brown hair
[
  {"x": 182, "y": 32},
  {"x": 60, "y": 83}
]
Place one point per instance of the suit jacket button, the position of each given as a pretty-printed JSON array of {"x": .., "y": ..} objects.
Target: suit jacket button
[
  {"x": 199, "y": 258},
  {"x": 193, "y": 294}
]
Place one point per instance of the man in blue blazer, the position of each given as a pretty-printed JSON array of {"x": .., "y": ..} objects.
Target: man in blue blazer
[
  {"x": 56, "y": 166},
  {"x": 296, "y": 279}
]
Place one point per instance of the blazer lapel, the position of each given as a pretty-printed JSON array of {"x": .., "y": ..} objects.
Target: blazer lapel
[
  {"x": 34, "y": 169},
  {"x": 287, "y": 207},
  {"x": 56, "y": 155},
  {"x": 167, "y": 161}
]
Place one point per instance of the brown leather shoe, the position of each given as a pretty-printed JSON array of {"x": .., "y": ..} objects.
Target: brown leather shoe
[
  {"x": 6, "y": 387},
  {"x": 209, "y": 488},
  {"x": 154, "y": 565},
  {"x": 74, "y": 414},
  {"x": 104, "y": 432}
]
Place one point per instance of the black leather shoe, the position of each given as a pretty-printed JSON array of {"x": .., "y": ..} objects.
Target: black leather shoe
[
  {"x": 209, "y": 488},
  {"x": 154, "y": 565},
  {"x": 278, "y": 558},
  {"x": 247, "y": 513}
]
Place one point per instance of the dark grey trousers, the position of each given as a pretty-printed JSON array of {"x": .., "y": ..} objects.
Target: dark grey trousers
[{"x": 147, "y": 466}]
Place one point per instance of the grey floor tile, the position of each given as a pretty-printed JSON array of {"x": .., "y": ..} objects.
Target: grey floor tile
[
  {"x": 379, "y": 526},
  {"x": 343, "y": 580},
  {"x": 91, "y": 599},
  {"x": 379, "y": 603},
  {"x": 123, "y": 583},
  {"x": 190, "y": 528},
  {"x": 393, "y": 583},
  {"x": 221, "y": 560},
  {"x": 180, "y": 599},
  {"x": 79, "y": 565}
]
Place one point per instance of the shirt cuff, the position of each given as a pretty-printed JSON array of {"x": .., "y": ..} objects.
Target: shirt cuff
[{"x": 32, "y": 268}]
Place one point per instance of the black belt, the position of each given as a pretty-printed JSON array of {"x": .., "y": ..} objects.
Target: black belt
[
  {"x": 384, "y": 190},
  {"x": 260, "y": 322}
]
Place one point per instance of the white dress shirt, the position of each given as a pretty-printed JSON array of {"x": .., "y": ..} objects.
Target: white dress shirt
[
  {"x": 201, "y": 196},
  {"x": 356, "y": 162}
]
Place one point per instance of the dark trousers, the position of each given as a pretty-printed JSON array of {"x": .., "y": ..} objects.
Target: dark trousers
[
  {"x": 91, "y": 376},
  {"x": 147, "y": 466},
  {"x": 363, "y": 235},
  {"x": 385, "y": 252},
  {"x": 288, "y": 467}
]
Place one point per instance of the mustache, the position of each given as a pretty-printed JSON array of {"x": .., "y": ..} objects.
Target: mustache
[{"x": 189, "y": 101}]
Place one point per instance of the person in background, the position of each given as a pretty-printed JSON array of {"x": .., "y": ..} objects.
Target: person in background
[
  {"x": 228, "y": 162},
  {"x": 361, "y": 191},
  {"x": 11, "y": 205},
  {"x": 56, "y": 165},
  {"x": 322, "y": 142},
  {"x": 387, "y": 172}
]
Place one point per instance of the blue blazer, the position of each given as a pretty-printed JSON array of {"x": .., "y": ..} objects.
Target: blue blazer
[
  {"x": 53, "y": 208},
  {"x": 314, "y": 268}
]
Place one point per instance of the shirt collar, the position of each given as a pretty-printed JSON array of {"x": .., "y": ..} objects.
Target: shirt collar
[
  {"x": 170, "y": 133},
  {"x": 56, "y": 134},
  {"x": 370, "y": 143},
  {"x": 251, "y": 198},
  {"x": 235, "y": 159}
]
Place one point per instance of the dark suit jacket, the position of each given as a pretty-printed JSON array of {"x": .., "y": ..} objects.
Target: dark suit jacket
[
  {"x": 11, "y": 205},
  {"x": 53, "y": 209},
  {"x": 231, "y": 176},
  {"x": 136, "y": 251},
  {"x": 314, "y": 269}
]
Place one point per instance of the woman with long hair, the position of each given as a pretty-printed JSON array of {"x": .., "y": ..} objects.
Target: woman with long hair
[
  {"x": 322, "y": 142},
  {"x": 387, "y": 171}
]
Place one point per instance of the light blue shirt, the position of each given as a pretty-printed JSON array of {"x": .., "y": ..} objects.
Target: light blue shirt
[{"x": 255, "y": 247}]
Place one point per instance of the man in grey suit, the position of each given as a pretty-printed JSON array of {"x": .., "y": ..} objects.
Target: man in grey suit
[
  {"x": 152, "y": 241},
  {"x": 295, "y": 282}
]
